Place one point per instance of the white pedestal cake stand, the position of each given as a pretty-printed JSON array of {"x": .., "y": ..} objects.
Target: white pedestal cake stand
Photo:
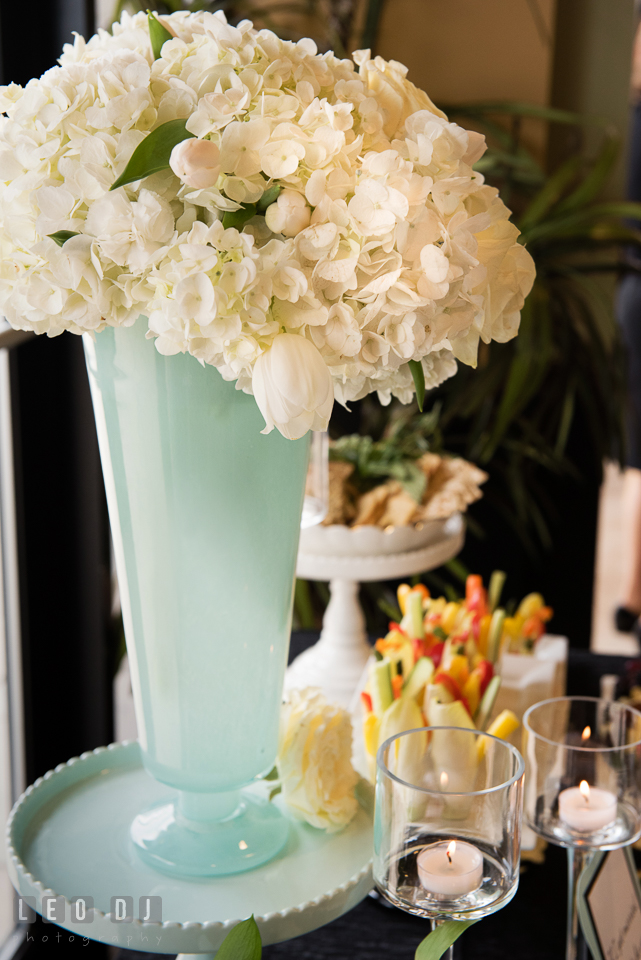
[
  {"x": 336, "y": 662},
  {"x": 68, "y": 837}
]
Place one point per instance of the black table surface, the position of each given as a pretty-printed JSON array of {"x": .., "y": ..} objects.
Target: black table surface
[{"x": 531, "y": 927}]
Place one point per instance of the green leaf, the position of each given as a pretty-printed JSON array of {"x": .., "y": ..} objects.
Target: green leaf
[
  {"x": 457, "y": 569},
  {"x": 62, "y": 236},
  {"x": 238, "y": 218},
  {"x": 153, "y": 153},
  {"x": 269, "y": 197},
  {"x": 524, "y": 109},
  {"x": 389, "y": 609},
  {"x": 440, "y": 940},
  {"x": 418, "y": 377},
  {"x": 583, "y": 221},
  {"x": 593, "y": 184},
  {"x": 303, "y": 606},
  {"x": 409, "y": 475},
  {"x": 157, "y": 34},
  {"x": 275, "y": 791},
  {"x": 272, "y": 775},
  {"x": 550, "y": 193},
  {"x": 373, "y": 14},
  {"x": 565, "y": 421},
  {"x": 242, "y": 943}
]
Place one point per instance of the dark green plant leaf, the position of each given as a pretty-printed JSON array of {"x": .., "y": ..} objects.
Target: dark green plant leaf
[
  {"x": 157, "y": 34},
  {"x": 373, "y": 14},
  {"x": 418, "y": 377},
  {"x": 458, "y": 570},
  {"x": 268, "y": 197},
  {"x": 514, "y": 398},
  {"x": 410, "y": 476},
  {"x": 275, "y": 791},
  {"x": 238, "y": 218},
  {"x": 440, "y": 940},
  {"x": 593, "y": 184},
  {"x": 550, "y": 193},
  {"x": 242, "y": 942},
  {"x": 303, "y": 606},
  {"x": 62, "y": 236},
  {"x": 389, "y": 609},
  {"x": 523, "y": 109},
  {"x": 272, "y": 775},
  {"x": 583, "y": 222},
  {"x": 153, "y": 153},
  {"x": 565, "y": 422}
]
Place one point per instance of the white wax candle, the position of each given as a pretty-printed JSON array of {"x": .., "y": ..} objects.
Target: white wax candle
[
  {"x": 450, "y": 869},
  {"x": 587, "y": 809}
]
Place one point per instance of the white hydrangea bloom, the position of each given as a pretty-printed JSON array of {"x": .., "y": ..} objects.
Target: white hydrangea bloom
[{"x": 378, "y": 245}]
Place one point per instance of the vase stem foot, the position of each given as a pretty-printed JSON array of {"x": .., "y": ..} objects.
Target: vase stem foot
[
  {"x": 200, "y": 809},
  {"x": 196, "y": 956},
  {"x": 183, "y": 838}
]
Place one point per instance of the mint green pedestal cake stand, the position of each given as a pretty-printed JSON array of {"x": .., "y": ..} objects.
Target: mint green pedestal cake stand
[{"x": 69, "y": 836}]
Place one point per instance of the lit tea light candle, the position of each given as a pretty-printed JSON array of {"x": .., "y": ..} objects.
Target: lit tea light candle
[
  {"x": 450, "y": 869},
  {"x": 587, "y": 809}
]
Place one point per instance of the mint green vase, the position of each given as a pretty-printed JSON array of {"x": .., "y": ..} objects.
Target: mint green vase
[{"x": 205, "y": 518}]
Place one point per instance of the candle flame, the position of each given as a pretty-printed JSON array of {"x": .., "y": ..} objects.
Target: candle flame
[
  {"x": 587, "y": 733},
  {"x": 444, "y": 780},
  {"x": 584, "y": 787},
  {"x": 451, "y": 850}
]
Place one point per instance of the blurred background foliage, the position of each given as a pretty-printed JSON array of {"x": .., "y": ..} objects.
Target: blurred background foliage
[
  {"x": 338, "y": 25},
  {"x": 542, "y": 412}
]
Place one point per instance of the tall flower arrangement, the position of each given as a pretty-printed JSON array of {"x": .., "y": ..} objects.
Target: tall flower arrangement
[{"x": 312, "y": 230}]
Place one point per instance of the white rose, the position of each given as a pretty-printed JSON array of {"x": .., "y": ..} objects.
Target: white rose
[
  {"x": 314, "y": 760},
  {"x": 289, "y": 214},
  {"x": 196, "y": 163},
  {"x": 293, "y": 387}
]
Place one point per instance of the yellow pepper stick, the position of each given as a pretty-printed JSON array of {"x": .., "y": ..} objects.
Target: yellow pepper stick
[
  {"x": 505, "y": 724},
  {"x": 401, "y": 596},
  {"x": 449, "y": 615},
  {"x": 415, "y": 609},
  {"x": 484, "y": 633}
]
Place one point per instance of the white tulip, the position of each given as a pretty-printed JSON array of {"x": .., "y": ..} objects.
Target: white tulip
[
  {"x": 196, "y": 162},
  {"x": 289, "y": 214},
  {"x": 293, "y": 387}
]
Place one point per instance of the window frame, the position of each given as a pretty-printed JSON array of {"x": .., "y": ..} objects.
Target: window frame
[{"x": 55, "y": 603}]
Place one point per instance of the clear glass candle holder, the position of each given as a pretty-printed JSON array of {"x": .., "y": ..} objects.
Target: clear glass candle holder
[
  {"x": 448, "y": 822},
  {"x": 582, "y": 781}
]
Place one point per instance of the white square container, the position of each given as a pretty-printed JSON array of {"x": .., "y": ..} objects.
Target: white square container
[{"x": 528, "y": 678}]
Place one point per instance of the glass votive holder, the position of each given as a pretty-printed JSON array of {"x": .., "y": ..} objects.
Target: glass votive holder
[
  {"x": 582, "y": 783},
  {"x": 583, "y": 772},
  {"x": 448, "y": 822}
]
